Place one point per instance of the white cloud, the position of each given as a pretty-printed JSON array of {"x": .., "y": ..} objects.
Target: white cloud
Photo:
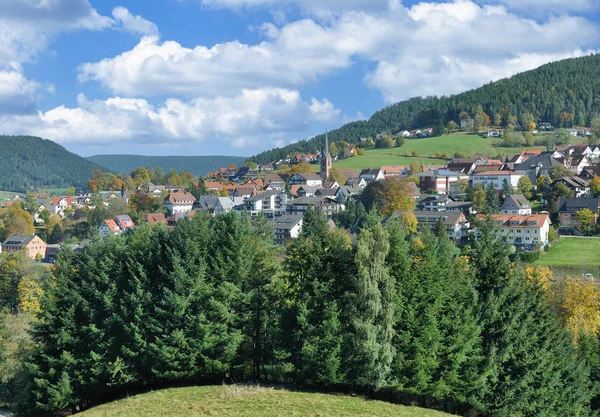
[
  {"x": 549, "y": 6},
  {"x": 426, "y": 49},
  {"x": 17, "y": 94},
  {"x": 26, "y": 29},
  {"x": 253, "y": 118},
  {"x": 136, "y": 25},
  {"x": 322, "y": 8}
]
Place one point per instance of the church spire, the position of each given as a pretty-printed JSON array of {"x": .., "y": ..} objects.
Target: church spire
[{"x": 326, "y": 160}]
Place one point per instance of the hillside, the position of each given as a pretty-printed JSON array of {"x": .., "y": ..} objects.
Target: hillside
[
  {"x": 197, "y": 165},
  {"x": 571, "y": 86},
  {"x": 31, "y": 162},
  {"x": 249, "y": 402}
]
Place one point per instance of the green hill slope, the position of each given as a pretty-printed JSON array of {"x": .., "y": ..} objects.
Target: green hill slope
[
  {"x": 571, "y": 86},
  {"x": 225, "y": 401},
  {"x": 197, "y": 165},
  {"x": 31, "y": 162}
]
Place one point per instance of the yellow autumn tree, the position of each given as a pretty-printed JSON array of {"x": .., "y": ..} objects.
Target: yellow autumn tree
[
  {"x": 579, "y": 303},
  {"x": 540, "y": 274},
  {"x": 30, "y": 293}
]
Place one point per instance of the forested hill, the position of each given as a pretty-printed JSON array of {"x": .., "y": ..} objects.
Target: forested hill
[
  {"x": 28, "y": 162},
  {"x": 197, "y": 165},
  {"x": 570, "y": 87}
]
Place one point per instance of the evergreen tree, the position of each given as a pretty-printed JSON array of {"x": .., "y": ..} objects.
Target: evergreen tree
[
  {"x": 491, "y": 199},
  {"x": 507, "y": 189},
  {"x": 372, "y": 351}
]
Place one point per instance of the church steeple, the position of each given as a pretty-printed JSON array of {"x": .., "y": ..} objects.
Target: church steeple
[{"x": 326, "y": 160}]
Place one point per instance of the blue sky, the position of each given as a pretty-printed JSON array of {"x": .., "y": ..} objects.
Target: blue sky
[{"x": 202, "y": 77}]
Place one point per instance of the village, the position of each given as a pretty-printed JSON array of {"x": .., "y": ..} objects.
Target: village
[{"x": 534, "y": 194}]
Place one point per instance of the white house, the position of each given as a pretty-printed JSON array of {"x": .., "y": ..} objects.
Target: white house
[
  {"x": 497, "y": 178},
  {"x": 287, "y": 228},
  {"x": 372, "y": 174},
  {"x": 59, "y": 204},
  {"x": 516, "y": 204},
  {"x": 524, "y": 231},
  {"x": 179, "y": 202},
  {"x": 306, "y": 179}
]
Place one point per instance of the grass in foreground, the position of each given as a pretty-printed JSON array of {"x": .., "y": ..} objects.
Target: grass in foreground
[{"x": 247, "y": 401}]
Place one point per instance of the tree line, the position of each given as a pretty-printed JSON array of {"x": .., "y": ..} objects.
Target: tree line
[
  {"x": 213, "y": 300},
  {"x": 564, "y": 94}
]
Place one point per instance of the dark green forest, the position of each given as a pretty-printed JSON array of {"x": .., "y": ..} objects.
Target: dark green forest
[
  {"x": 28, "y": 162},
  {"x": 196, "y": 165},
  {"x": 213, "y": 300},
  {"x": 564, "y": 93}
]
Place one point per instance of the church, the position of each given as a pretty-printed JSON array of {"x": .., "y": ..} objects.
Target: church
[{"x": 326, "y": 160}]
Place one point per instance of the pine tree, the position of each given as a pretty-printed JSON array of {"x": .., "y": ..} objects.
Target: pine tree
[
  {"x": 507, "y": 189},
  {"x": 372, "y": 351},
  {"x": 491, "y": 199}
]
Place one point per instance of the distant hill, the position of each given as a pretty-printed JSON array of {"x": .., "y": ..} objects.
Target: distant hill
[
  {"x": 197, "y": 165},
  {"x": 248, "y": 401},
  {"x": 571, "y": 86},
  {"x": 30, "y": 162}
]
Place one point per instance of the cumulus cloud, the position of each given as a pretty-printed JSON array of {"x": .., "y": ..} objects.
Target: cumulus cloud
[
  {"x": 429, "y": 48},
  {"x": 17, "y": 94},
  {"x": 251, "y": 118},
  {"x": 26, "y": 29},
  {"x": 135, "y": 25},
  {"x": 549, "y": 6}
]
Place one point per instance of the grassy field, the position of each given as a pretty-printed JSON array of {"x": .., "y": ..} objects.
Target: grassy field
[
  {"x": 245, "y": 401},
  {"x": 466, "y": 144},
  {"x": 573, "y": 256}
]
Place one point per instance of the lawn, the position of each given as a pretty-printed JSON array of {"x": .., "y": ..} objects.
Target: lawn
[
  {"x": 247, "y": 401},
  {"x": 426, "y": 148},
  {"x": 573, "y": 256}
]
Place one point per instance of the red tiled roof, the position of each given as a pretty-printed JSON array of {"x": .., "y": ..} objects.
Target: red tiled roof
[{"x": 154, "y": 218}]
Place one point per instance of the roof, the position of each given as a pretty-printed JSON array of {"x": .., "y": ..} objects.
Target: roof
[
  {"x": 327, "y": 192},
  {"x": 518, "y": 220},
  {"x": 154, "y": 218},
  {"x": 574, "y": 182},
  {"x": 287, "y": 222},
  {"x": 19, "y": 239},
  {"x": 313, "y": 201},
  {"x": 125, "y": 222},
  {"x": 179, "y": 198},
  {"x": 393, "y": 170},
  {"x": 515, "y": 200},
  {"x": 210, "y": 185},
  {"x": 262, "y": 196},
  {"x": 571, "y": 205},
  {"x": 112, "y": 225},
  {"x": 310, "y": 177},
  {"x": 370, "y": 171},
  {"x": 448, "y": 217},
  {"x": 495, "y": 173},
  {"x": 544, "y": 160},
  {"x": 273, "y": 178}
]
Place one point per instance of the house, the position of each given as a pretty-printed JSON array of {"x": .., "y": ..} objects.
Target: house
[
  {"x": 495, "y": 133},
  {"x": 125, "y": 223},
  {"x": 33, "y": 245},
  {"x": 523, "y": 231},
  {"x": 271, "y": 203},
  {"x": 267, "y": 167},
  {"x": 356, "y": 182},
  {"x": 181, "y": 202},
  {"x": 109, "y": 227},
  {"x": 525, "y": 155},
  {"x": 579, "y": 186},
  {"x": 569, "y": 207},
  {"x": 218, "y": 205},
  {"x": 345, "y": 192},
  {"x": 328, "y": 205},
  {"x": 395, "y": 171},
  {"x": 537, "y": 165},
  {"x": 466, "y": 123},
  {"x": 60, "y": 204},
  {"x": 456, "y": 223},
  {"x": 516, "y": 204},
  {"x": 326, "y": 192},
  {"x": 286, "y": 228},
  {"x": 440, "y": 181},
  {"x": 371, "y": 174},
  {"x": 586, "y": 131},
  {"x": 306, "y": 191},
  {"x": 497, "y": 179},
  {"x": 306, "y": 179},
  {"x": 156, "y": 218},
  {"x": 213, "y": 186},
  {"x": 428, "y": 202},
  {"x": 573, "y": 132},
  {"x": 588, "y": 173},
  {"x": 275, "y": 181},
  {"x": 425, "y": 133},
  {"x": 463, "y": 165},
  {"x": 577, "y": 163},
  {"x": 245, "y": 191}
]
